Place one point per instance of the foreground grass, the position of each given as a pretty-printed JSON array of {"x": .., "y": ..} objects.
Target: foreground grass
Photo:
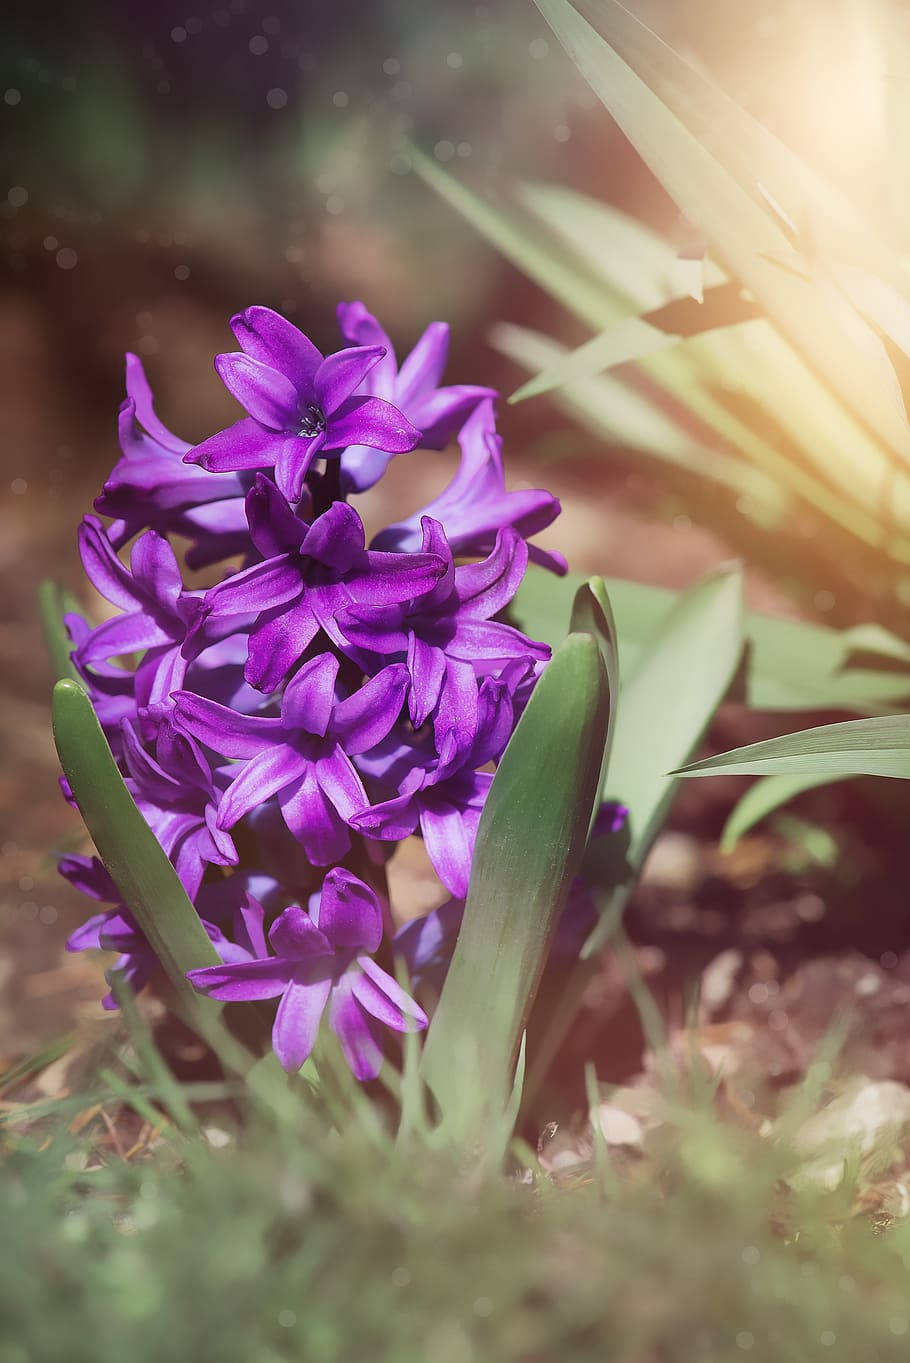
[{"x": 295, "y": 1242}]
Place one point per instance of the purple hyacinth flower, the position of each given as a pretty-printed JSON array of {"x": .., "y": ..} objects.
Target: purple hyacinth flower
[
  {"x": 116, "y": 930},
  {"x": 178, "y": 798},
  {"x": 309, "y": 573},
  {"x": 448, "y": 634},
  {"x": 476, "y": 505},
  {"x": 322, "y": 958},
  {"x": 151, "y": 486},
  {"x": 444, "y": 795},
  {"x": 414, "y": 389},
  {"x": 157, "y": 612},
  {"x": 303, "y": 757},
  {"x": 300, "y": 403}
]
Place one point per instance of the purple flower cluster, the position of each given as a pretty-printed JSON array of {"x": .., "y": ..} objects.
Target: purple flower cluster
[{"x": 323, "y": 699}]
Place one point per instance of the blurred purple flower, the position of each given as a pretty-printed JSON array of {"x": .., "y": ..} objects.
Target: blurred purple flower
[
  {"x": 321, "y": 957},
  {"x": 300, "y": 403},
  {"x": 414, "y": 389}
]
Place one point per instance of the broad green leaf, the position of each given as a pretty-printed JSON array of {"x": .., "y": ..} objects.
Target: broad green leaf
[
  {"x": 639, "y": 267},
  {"x": 617, "y": 412},
  {"x": 768, "y": 794},
  {"x": 52, "y": 608},
  {"x": 664, "y": 708},
  {"x": 129, "y": 849},
  {"x": 790, "y": 664},
  {"x": 529, "y": 847},
  {"x": 762, "y": 165},
  {"x": 740, "y": 228},
  {"x": 858, "y": 747},
  {"x": 574, "y": 286},
  {"x": 634, "y": 338}
]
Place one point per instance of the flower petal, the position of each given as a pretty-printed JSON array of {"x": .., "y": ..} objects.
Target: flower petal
[
  {"x": 310, "y": 695},
  {"x": 335, "y": 538},
  {"x": 274, "y": 528},
  {"x": 267, "y": 336},
  {"x": 244, "y": 980},
  {"x": 294, "y": 933},
  {"x": 267, "y": 395},
  {"x": 360, "y": 328},
  {"x": 153, "y": 563},
  {"x": 299, "y": 1014},
  {"x": 313, "y": 820},
  {"x": 278, "y": 641},
  {"x": 382, "y": 997},
  {"x": 421, "y": 371},
  {"x": 364, "y": 719},
  {"x": 292, "y": 461},
  {"x": 262, "y": 777},
  {"x": 391, "y": 820},
  {"x": 440, "y": 415},
  {"x": 355, "y": 1030},
  {"x": 123, "y": 634},
  {"x": 340, "y": 782},
  {"x": 104, "y": 569},
  {"x": 427, "y": 669},
  {"x": 273, "y": 582},
  {"x": 374, "y": 422},
  {"x": 138, "y": 390},
  {"x": 349, "y": 912},
  {"x": 245, "y": 445},
  {"x": 487, "y": 587},
  {"x": 223, "y": 729},
  {"x": 339, "y": 374},
  {"x": 449, "y": 845}
]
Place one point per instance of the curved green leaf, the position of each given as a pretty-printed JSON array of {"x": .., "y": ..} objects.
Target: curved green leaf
[
  {"x": 664, "y": 708},
  {"x": 129, "y": 849},
  {"x": 768, "y": 794},
  {"x": 858, "y": 747},
  {"x": 529, "y": 847}
]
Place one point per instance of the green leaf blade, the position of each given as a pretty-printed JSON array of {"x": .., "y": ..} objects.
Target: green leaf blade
[
  {"x": 529, "y": 847},
  {"x": 129, "y": 849},
  {"x": 859, "y": 747}
]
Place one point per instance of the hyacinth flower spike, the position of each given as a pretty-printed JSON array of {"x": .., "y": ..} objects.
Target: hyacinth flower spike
[
  {"x": 321, "y": 958},
  {"x": 303, "y": 757},
  {"x": 476, "y": 505},
  {"x": 300, "y": 403},
  {"x": 413, "y": 389},
  {"x": 308, "y": 574}
]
